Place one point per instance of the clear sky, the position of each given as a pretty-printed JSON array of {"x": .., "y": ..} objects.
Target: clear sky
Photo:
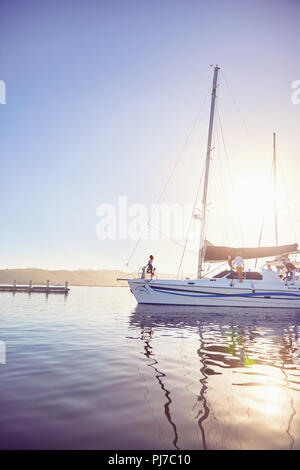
[{"x": 101, "y": 96}]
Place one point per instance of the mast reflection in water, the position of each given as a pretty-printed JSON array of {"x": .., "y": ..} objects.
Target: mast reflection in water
[
  {"x": 93, "y": 371},
  {"x": 241, "y": 369}
]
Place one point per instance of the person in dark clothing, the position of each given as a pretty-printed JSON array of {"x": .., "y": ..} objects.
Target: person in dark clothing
[
  {"x": 291, "y": 270},
  {"x": 149, "y": 266}
]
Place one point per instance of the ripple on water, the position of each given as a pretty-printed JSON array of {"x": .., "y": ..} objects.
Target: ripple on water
[{"x": 93, "y": 371}]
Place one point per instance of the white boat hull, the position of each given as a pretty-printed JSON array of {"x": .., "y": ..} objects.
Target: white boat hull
[{"x": 203, "y": 293}]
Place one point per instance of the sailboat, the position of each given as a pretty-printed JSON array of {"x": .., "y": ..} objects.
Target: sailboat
[{"x": 261, "y": 289}]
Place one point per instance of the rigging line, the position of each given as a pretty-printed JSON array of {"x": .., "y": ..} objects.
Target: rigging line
[
  {"x": 224, "y": 144},
  {"x": 260, "y": 238},
  {"x": 231, "y": 178},
  {"x": 292, "y": 218},
  {"x": 238, "y": 108},
  {"x": 183, "y": 147},
  {"x": 172, "y": 172},
  {"x": 223, "y": 203},
  {"x": 191, "y": 220},
  {"x": 288, "y": 197},
  {"x": 195, "y": 203},
  {"x": 217, "y": 267},
  {"x": 212, "y": 183},
  {"x": 293, "y": 227},
  {"x": 216, "y": 182},
  {"x": 266, "y": 211},
  {"x": 170, "y": 239},
  {"x": 274, "y": 206}
]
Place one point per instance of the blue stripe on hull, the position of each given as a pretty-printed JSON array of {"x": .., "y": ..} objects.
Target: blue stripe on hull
[{"x": 250, "y": 294}]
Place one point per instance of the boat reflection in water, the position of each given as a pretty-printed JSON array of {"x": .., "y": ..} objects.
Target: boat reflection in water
[{"x": 223, "y": 379}]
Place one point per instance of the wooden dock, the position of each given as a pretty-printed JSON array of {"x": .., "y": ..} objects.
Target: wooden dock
[{"x": 30, "y": 288}]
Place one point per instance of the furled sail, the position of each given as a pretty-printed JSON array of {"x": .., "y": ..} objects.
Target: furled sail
[{"x": 221, "y": 253}]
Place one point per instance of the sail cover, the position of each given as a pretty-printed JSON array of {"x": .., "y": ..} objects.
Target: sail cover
[{"x": 221, "y": 253}]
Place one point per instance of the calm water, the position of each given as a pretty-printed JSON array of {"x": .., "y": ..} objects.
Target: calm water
[{"x": 92, "y": 371}]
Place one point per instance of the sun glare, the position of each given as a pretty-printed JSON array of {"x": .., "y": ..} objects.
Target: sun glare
[
  {"x": 252, "y": 202},
  {"x": 270, "y": 398},
  {"x": 253, "y": 196}
]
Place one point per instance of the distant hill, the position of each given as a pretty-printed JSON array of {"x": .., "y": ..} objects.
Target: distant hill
[{"x": 81, "y": 277}]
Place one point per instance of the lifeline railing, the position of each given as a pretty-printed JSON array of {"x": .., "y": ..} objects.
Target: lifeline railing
[{"x": 144, "y": 275}]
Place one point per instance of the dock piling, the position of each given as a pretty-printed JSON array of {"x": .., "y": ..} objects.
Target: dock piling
[{"x": 58, "y": 289}]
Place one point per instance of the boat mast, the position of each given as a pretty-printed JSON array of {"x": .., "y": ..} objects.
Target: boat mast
[
  {"x": 275, "y": 188},
  {"x": 204, "y": 199}
]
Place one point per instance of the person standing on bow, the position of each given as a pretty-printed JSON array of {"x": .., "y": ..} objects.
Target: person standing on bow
[
  {"x": 149, "y": 266},
  {"x": 239, "y": 265}
]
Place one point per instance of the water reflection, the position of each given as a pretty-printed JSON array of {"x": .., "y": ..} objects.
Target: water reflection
[
  {"x": 202, "y": 395},
  {"x": 256, "y": 353},
  {"x": 146, "y": 336},
  {"x": 94, "y": 371}
]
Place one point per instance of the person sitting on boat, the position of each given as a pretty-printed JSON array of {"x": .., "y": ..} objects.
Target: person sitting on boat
[
  {"x": 291, "y": 270},
  {"x": 150, "y": 269},
  {"x": 239, "y": 265}
]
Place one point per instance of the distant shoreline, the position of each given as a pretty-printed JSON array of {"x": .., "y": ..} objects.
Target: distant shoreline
[{"x": 76, "y": 278}]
